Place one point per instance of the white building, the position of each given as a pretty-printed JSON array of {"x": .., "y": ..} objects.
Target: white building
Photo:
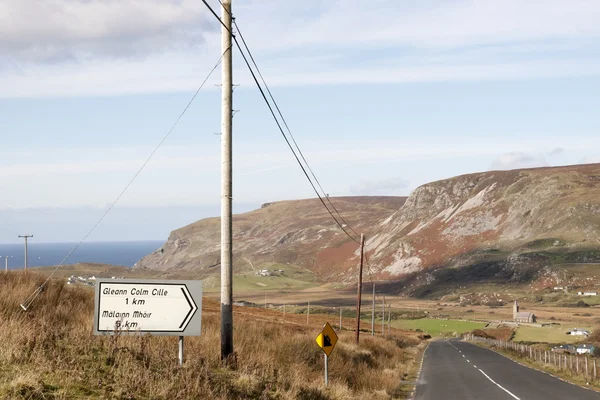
[{"x": 579, "y": 332}]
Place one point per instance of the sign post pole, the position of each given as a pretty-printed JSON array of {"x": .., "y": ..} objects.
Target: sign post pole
[
  {"x": 326, "y": 369},
  {"x": 326, "y": 341},
  {"x": 180, "y": 351}
]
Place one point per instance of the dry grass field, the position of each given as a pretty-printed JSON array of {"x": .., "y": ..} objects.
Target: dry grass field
[{"x": 50, "y": 352}]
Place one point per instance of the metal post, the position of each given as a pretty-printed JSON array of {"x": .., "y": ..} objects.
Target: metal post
[
  {"x": 25, "y": 237},
  {"x": 6, "y": 264},
  {"x": 308, "y": 313},
  {"x": 326, "y": 369},
  {"x": 340, "y": 319},
  {"x": 359, "y": 288},
  {"x": 373, "y": 313},
  {"x": 383, "y": 316},
  {"x": 226, "y": 184},
  {"x": 180, "y": 350},
  {"x": 389, "y": 317}
]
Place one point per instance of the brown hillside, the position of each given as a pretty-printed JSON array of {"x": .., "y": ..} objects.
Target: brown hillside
[
  {"x": 298, "y": 232},
  {"x": 445, "y": 223}
]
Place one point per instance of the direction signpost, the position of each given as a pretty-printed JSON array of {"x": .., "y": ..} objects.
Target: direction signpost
[
  {"x": 326, "y": 341},
  {"x": 158, "y": 307}
]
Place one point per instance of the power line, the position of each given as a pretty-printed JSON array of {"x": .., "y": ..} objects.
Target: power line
[
  {"x": 285, "y": 122},
  {"x": 277, "y": 121},
  {"x": 29, "y": 300},
  {"x": 288, "y": 128}
]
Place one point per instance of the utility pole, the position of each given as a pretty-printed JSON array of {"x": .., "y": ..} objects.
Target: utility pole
[
  {"x": 359, "y": 289},
  {"x": 383, "y": 316},
  {"x": 226, "y": 184},
  {"x": 25, "y": 237},
  {"x": 373, "y": 313},
  {"x": 6, "y": 263}
]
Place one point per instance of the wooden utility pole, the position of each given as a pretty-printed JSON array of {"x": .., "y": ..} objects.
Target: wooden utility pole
[
  {"x": 226, "y": 184},
  {"x": 373, "y": 313},
  {"x": 359, "y": 289},
  {"x": 383, "y": 316}
]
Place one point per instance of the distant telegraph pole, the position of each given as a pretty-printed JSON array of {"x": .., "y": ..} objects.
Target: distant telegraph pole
[
  {"x": 359, "y": 289},
  {"x": 226, "y": 184},
  {"x": 25, "y": 237},
  {"x": 373, "y": 313}
]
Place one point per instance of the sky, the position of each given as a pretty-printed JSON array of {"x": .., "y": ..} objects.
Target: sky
[{"x": 381, "y": 95}]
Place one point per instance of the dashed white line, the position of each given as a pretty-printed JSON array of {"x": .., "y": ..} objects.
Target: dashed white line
[
  {"x": 491, "y": 380},
  {"x": 468, "y": 361}
]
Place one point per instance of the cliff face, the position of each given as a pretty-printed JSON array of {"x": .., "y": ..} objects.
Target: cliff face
[
  {"x": 298, "y": 232},
  {"x": 441, "y": 224}
]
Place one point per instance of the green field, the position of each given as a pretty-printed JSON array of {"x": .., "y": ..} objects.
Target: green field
[
  {"x": 291, "y": 278},
  {"x": 545, "y": 334},
  {"x": 435, "y": 327}
]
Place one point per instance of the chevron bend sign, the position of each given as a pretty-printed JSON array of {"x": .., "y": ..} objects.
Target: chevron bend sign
[{"x": 158, "y": 307}]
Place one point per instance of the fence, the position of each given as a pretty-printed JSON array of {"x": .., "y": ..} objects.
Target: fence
[{"x": 582, "y": 366}]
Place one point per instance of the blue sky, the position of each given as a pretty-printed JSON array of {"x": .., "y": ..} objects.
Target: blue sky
[{"x": 382, "y": 96}]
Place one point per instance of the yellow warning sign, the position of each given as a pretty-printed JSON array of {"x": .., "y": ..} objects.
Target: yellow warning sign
[{"x": 327, "y": 339}]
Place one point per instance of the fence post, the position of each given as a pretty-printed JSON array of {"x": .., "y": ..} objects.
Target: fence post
[
  {"x": 586, "y": 368},
  {"x": 594, "y": 368},
  {"x": 577, "y": 362}
]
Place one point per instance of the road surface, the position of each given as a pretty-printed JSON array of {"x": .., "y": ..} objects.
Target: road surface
[{"x": 458, "y": 370}]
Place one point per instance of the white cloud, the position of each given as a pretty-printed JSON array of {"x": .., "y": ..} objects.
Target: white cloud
[
  {"x": 556, "y": 151},
  {"x": 54, "y": 31},
  {"x": 72, "y": 48},
  {"x": 387, "y": 186},
  {"x": 516, "y": 160}
]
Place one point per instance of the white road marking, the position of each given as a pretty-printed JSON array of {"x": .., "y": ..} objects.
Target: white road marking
[
  {"x": 463, "y": 356},
  {"x": 468, "y": 361},
  {"x": 491, "y": 380}
]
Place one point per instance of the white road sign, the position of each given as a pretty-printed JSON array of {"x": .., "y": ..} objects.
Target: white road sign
[{"x": 148, "y": 306}]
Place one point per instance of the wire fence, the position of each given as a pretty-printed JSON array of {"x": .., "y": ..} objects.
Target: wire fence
[{"x": 577, "y": 365}]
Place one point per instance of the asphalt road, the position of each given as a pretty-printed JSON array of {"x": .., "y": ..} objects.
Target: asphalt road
[{"x": 458, "y": 370}]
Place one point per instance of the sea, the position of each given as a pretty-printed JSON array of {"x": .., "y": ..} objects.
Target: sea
[{"x": 47, "y": 254}]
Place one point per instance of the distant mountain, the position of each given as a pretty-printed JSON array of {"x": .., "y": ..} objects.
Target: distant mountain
[
  {"x": 298, "y": 232},
  {"x": 457, "y": 222}
]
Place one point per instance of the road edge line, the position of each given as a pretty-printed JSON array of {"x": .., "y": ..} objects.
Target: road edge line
[{"x": 535, "y": 369}]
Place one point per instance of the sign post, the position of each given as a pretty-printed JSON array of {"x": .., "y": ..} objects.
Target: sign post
[
  {"x": 157, "y": 307},
  {"x": 326, "y": 341}
]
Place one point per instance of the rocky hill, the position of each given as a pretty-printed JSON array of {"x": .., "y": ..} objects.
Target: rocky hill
[
  {"x": 298, "y": 232},
  {"x": 458, "y": 222}
]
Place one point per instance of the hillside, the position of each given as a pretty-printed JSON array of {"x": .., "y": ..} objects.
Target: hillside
[
  {"x": 50, "y": 353},
  {"x": 299, "y": 233},
  {"x": 516, "y": 218}
]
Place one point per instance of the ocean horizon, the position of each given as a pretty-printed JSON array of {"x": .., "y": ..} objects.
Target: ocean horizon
[{"x": 47, "y": 254}]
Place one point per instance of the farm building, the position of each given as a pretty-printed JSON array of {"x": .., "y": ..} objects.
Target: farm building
[
  {"x": 521, "y": 316},
  {"x": 585, "y": 349},
  {"x": 588, "y": 293},
  {"x": 565, "y": 348},
  {"x": 579, "y": 332}
]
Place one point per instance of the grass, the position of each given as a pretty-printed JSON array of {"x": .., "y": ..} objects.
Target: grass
[
  {"x": 292, "y": 278},
  {"x": 437, "y": 327},
  {"x": 49, "y": 352},
  {"x": 545, "y": 334}
]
